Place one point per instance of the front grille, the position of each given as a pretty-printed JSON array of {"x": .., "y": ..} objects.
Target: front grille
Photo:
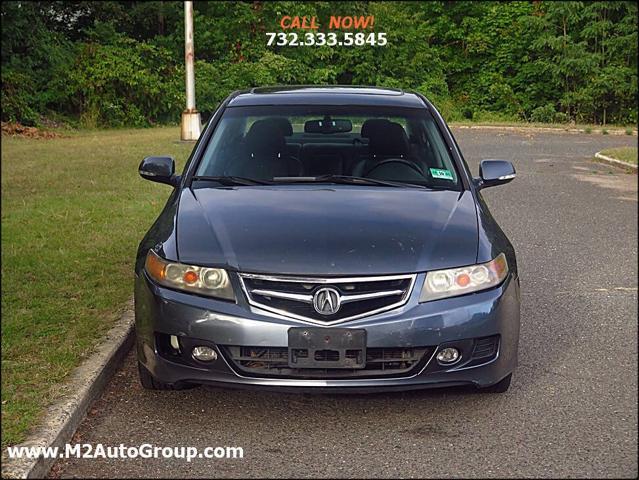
[
  {"x": 273, "y": 362},
  {"x": 299, "y": 298}
]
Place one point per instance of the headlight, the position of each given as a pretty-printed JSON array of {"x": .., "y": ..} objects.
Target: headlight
[
  {"x": 212, "y": 282},
  {"x": 460, "y": 281}
]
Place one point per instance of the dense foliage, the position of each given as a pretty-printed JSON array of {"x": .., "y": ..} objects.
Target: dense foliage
[{"x": 121, "y": 63}]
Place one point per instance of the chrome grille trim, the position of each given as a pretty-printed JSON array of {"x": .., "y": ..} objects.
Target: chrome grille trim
[
  {"x": 289, "y": 296},
  {"x": 324, "y": 280},
  {"x": 278, "y": 313}
]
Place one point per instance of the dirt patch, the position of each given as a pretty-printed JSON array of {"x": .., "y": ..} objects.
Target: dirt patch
[
  {"x": 624, "y": 184},
  {"x": 18, "y": 130}
]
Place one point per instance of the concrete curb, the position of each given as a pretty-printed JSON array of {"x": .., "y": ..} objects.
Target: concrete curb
[
  {"x": 526, "y": 128},
  {"x": 614, "y": 161},
  {"x": 63, "y": 417}
]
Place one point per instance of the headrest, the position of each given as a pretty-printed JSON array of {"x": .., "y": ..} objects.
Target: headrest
[
  {"x": 372, "y": 126},
  {"x": 265, "y": 137},
  {"x": 283, "y": 123},
  {"x": 386, "y": 138}
]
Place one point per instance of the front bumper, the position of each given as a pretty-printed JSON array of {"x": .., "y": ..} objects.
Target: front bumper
[{"x": 433, "y": 324}]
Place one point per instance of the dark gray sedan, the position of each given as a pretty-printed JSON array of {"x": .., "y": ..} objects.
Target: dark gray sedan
[{"x": 326, "y": 239}]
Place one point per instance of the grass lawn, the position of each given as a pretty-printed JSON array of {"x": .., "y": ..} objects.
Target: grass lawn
[
  {"x": 73, "y": 212},
  {"x": 625, "y": 154}
]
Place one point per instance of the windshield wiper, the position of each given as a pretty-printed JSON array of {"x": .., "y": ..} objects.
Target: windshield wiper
[
  {"x": 348, "y": 179},
  {"x": 230, "y": 180}
]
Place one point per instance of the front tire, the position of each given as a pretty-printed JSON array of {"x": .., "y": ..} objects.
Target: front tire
[
  {"x": 149, "y": 382},
  {"x": 501, "y": 386}
]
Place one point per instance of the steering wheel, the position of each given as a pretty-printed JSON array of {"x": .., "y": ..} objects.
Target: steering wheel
[{"x": 407, "y": 163}]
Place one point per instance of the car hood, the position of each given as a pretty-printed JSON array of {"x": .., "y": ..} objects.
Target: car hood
[{"x": 327, "y": 230}]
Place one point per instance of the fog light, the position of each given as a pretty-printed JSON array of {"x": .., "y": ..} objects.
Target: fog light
[
  {"x": 204, "y": 354},
  {"x": 175, "y": 343},
  {"x": 448, "y": 356}
]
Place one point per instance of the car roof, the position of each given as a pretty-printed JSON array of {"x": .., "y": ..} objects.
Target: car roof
[{"x": 326, "y": 95}]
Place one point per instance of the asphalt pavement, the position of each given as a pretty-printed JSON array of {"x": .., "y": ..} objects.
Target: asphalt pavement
[{"x": 572, "y": 408}]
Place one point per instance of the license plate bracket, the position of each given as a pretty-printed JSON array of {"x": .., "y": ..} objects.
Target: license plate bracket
[{"x": 326, "y": 348}]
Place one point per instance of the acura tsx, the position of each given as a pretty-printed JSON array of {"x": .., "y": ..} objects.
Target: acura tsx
[{"x": 326, "y": 239}]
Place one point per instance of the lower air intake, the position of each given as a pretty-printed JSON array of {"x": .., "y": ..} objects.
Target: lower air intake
[{"x": 273, "y": 362}]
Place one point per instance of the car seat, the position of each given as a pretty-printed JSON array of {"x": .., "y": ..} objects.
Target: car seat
[
  {"x": 386, "y": 140},
  {"x": 265, "y": 154}
]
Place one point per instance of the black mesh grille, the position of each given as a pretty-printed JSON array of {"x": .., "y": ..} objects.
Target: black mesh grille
[
  {"x": 485, "y": 347},
  {"x": 484, "y": 350},
  {"x": 273, "y": 362}
]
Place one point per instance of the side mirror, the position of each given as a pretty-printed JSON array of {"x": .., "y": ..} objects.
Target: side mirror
[
  {"x": 495, "y": 172},
  {"x": 159, "y": 169}
]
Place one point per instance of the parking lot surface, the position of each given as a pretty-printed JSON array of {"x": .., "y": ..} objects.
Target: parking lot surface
[{"x": 572, "y": 408}]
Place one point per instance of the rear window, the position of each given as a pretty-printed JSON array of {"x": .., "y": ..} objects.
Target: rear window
[{"x": 277, "y": 142}]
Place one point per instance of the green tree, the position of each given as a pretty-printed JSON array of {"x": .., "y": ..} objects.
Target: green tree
[{"x": 121, "y": 63}]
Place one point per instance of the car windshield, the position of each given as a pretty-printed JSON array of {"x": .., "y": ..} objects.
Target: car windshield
[{"x": 378, "y": 146}]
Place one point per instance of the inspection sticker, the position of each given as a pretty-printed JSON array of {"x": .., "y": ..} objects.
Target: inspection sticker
[{"x": 439, "y": 173}]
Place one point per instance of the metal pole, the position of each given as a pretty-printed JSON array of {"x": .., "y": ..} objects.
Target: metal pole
[
  {"x": 191, "y": 124},
  {"x": 189, "y": 53}
]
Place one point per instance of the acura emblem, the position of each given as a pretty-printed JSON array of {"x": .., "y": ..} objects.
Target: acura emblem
[{"x": 326, "y": 301}]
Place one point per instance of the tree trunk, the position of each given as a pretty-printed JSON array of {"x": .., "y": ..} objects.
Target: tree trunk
[{"x": 161, "y": 21}]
